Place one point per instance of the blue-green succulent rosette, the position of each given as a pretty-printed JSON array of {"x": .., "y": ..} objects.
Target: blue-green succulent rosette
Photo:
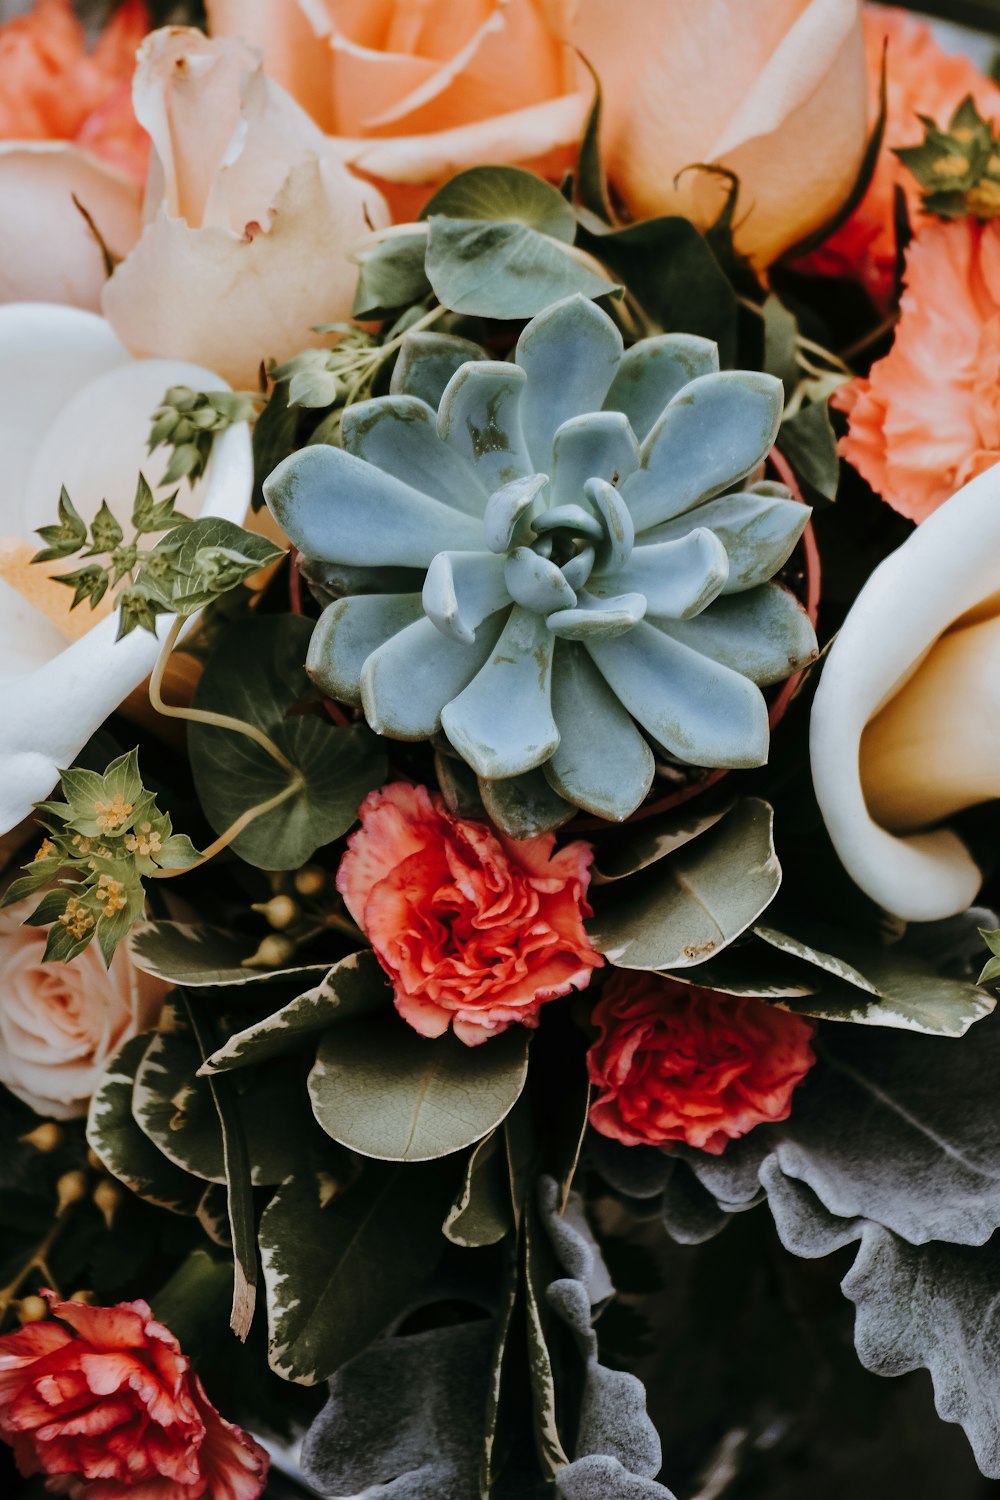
[{"x": 562, "y": 562}]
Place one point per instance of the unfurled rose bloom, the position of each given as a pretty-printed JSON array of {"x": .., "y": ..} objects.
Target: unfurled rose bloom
[
  {"x": 676, "y": 1063},
  {"x": 927, "y": 418},
  {"x": 249, "y": 211},
  {"x": 921, "y": 79},
  {"x": 420, "y": 92},
  {"x": 61, "y": 1023},
  {"x": 67, "y": 129},
  {"x": 775, "y": 90},
  {"x": 474, "y": 929},
  {"x": 108, "y": 1407}
]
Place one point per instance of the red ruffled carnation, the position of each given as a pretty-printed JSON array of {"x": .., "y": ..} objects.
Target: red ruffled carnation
[
  {"x": 676, "y": 1063},
  {"x": 474, "y": 929},
  {"x": 109, "y": 1402}
]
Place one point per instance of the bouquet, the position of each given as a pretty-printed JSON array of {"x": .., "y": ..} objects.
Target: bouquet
[{"x": 500, "y": 591}]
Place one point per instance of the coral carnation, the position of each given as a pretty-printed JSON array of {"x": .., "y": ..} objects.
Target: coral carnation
[
  {"x": 474, "y": 929},
  {"x": 106, "y": 1399},
  {"x": 676, "y": 1063},
  {"x": 927, "y": 418},
  {"x": 921, "y": 78}
]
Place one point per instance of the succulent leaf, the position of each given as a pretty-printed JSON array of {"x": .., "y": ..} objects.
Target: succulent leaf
[{"x": 557, "y": 630}]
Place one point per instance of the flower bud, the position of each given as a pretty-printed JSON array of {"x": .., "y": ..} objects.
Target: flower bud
[
  {"x": 310, "y": 880},
  {"x": 272, "y": 953},
  {"x": 280, "y": 911},
  {"x": 45, "y": 1137},
  {"x": 71, "y": 1187},
  {"x": 32, "y": 1309},
  {"x": 82, "y": 1295},
  {"x": 107, "y": 1196}
]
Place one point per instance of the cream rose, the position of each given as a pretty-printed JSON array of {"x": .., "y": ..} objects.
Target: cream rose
[
  {"x": 60, "y": 1023},
  {"x": 249, "y": 210},
  {"x": 419, "y": 92},
  {"x": 775, "y": 90}
]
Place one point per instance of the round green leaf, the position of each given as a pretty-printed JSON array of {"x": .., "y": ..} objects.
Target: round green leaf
[
  {"x": 507, "y": 194},
  {"x": 384, "y": 1091}
]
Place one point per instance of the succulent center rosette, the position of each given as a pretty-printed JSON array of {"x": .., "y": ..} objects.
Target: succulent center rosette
[{"x": 546, "y": 560}]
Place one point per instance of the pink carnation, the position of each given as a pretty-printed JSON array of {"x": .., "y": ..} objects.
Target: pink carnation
[
  {"x": 474, "y": 929},
  {"x": 676, "y": 1063},
  {"x": 105, "y": 1400}
]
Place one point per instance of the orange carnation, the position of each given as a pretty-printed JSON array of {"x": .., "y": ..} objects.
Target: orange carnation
[
  {"x": 921, "y": 78},
  {"x": 53, "y": 89},
  {"x": 927, "y": 418}
]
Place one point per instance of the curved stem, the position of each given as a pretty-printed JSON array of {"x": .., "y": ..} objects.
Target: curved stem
[
  {"x": 204, "y": 716},
  {"x": 235, "y": 829}
]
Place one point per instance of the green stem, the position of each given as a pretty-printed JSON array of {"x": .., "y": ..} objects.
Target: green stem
[
  {"x": 235, "y": 829},
  {"x": 205, "y": 716}
]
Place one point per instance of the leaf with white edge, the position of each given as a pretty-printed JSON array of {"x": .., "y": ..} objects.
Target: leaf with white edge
[
  {"x": 334, "y": 1274},
  {"x": 353, "y": 987},
  {"x": 699, "y": 901},
  {"x": 481, "y": 1213},
  {"x": 213, "y": 1215},
  {"x": 506, "y": 270},
  {"x": 256, "y": 674},
  {"x": 128, "y": 1154},
  {"x": 383, "y": 1090},
  {"x": 194, "y": 954},
  {"x": 509, "y": 195},
  {"x": 883, "y": 986}
]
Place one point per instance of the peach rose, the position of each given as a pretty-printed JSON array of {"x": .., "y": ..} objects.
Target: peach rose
[
  {"x": 248, "y": 210},
  {"x": 422, "y": 91},
  {"x": 774, "y": 90},
  {"x": 61, "y": 1023},
  {"x": 474, "y": 929},
  {"x": 676, "y": 1063},
  {"x": 67, "y": 129},
  {"x": 105, "y": 1402},
  {"x": 921, "y": 78},
  {"x": 927, "y": 417}
]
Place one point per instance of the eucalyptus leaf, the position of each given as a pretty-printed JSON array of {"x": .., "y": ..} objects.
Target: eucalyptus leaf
[
  {"x": 696, "y": 903},
  {"x": 194, "y": 954},
  {"x": 481, "y": 1213},
  {"x": 384, "y": 1091},
  {"x": 508, "y": 195},
  {"x": 256, "y": 674},
  {"x": 390, "y": 274},
  {"x": 123, "y": 1148},
  {"x": 353, "y": 987},
  {"x": 333, "y": 1271},
  {"x": 651, "y": 839},
  {"x": 505, "y": 270},
  {"x": 808, "y": 441}
]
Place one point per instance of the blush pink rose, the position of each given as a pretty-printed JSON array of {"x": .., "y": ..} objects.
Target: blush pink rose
[
  {"x": 676, "y": 1063},
  {"x": 474, "y": 929},
  {"x": 927, "y": 417},
  {"x": 921, "y": 79},
  {"x": 61, "y": 1023},
  {"x": 105, "y": 1403}
]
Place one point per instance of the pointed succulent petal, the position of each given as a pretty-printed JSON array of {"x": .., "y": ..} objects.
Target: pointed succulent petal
[
  {"x": 570, "y": 353},
  {"x": 347, "y": 633},
  {"x": 479, "y": 419},
  {"x": 525, "y": 806},
  {"x": 602, "y": 763},
  {"x": 593, "y": 617},
  {"x": 653, "y": 371},
  {"x": 536, "y": 582},
  {"x": 759, "y": 533},
  {"x": 765, "y": 634},
  {"x": 327, "y": 500},
  {"x": 507, "y": 520},
  {"x": 426, "y": 363},
  {"x": 406, "y": 682},
  {"x": 461, "y": 589},
  {"x": 579, "y": 568},
  {"x": 398, "y": 434},
  {"x": 678, "y": 579},
  {"x": 696, "y": 709},
  {"x": 502, "y": 723},
  {"x": 714, "y": 432},
  {"x": 600, "y": 445},
  {"x": 619, "y": 532}
]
